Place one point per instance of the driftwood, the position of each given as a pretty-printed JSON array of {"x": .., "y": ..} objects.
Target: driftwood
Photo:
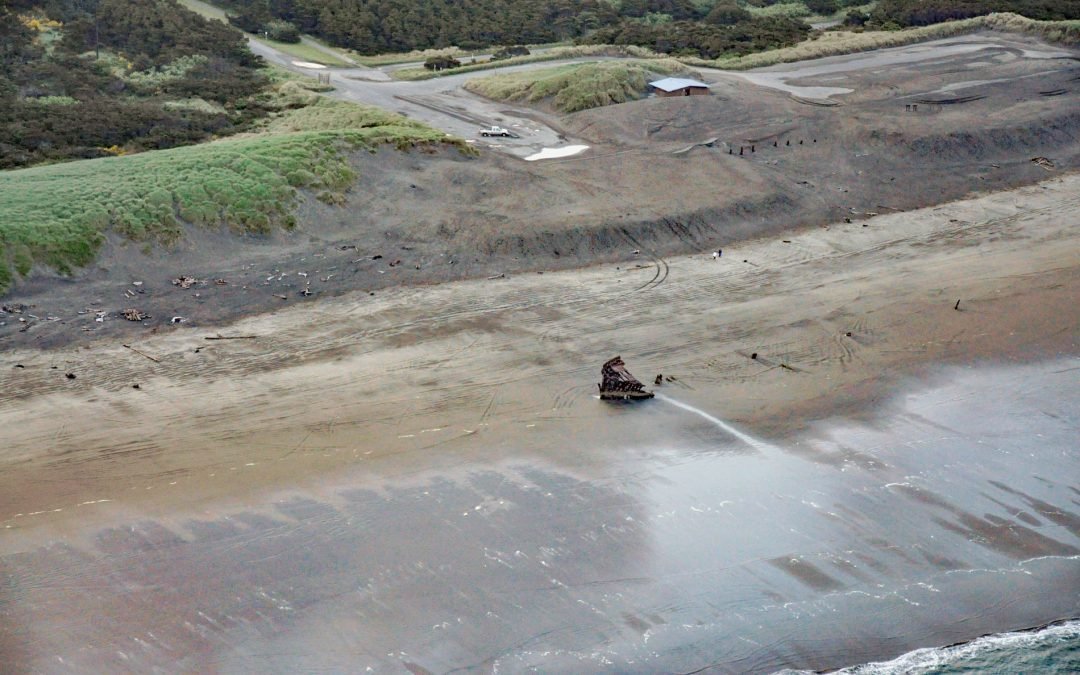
[
  {"x": 143, "y": 354},
  {"x": 230, "y": 337}
]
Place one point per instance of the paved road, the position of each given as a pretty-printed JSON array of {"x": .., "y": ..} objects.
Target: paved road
[{"x": 440, "y": 102}]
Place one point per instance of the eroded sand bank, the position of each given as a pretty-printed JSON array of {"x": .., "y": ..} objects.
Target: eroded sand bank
[{"x": 423, "y": 480}]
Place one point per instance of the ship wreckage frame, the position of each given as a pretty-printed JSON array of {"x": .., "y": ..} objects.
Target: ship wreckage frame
[{"x": 619, "y": 385}]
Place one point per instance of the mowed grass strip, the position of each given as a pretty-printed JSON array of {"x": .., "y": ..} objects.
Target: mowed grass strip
[
  {"x": 577, "y": 86},
  {"x": 553, "y": 54},
  {"x": 305, "y": 52},
  {"x": 58, "y": 215}
]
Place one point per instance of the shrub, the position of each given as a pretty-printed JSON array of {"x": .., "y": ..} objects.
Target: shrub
[
  {"x": 510, "y": 52},
  {"x": 727, "y": 14},
  {"x": 282, "y": 31},
  {"x": 823, "y": 7},
  {"x": 856, "y": 17},
  {"x": 438, "y": 63},
  {"x": 53, "y": 100}
]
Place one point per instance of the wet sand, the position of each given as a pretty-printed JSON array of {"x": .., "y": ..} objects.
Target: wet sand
[{"x": 424, "y": 481}]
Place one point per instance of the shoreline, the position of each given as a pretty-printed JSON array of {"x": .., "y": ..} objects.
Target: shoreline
[{"x": 847, "y": 310}]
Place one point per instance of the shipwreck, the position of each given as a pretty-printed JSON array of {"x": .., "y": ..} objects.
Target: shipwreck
[{"x": 619, "y": 385}]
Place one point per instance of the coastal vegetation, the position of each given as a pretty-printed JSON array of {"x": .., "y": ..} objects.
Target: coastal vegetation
[
  {"x": 58, "y": 215},
  {"x": 94, "y": 78},
  {"x": 578, "y": 86},
  {"x": 372, "y": 27},
  {"x": 708, "y": 29}
]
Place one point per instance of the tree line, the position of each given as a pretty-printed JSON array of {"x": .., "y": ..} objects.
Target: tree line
[
  {"x": 695, "y": 26},
  {"x": 378, "y": 26},
  {"x": 703, "y": 39}
]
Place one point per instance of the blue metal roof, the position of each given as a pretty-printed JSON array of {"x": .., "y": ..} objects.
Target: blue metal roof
[{"x": 676, "y": 83}]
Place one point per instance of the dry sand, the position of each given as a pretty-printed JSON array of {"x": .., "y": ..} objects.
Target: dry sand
[{"x": 457, "y": 355}]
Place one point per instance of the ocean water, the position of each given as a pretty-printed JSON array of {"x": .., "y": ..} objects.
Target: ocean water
[{"x": 1050, "y": 649}]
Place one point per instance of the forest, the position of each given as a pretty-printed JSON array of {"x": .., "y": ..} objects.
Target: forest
[
  {"x": 704, "y": 28},
  {"x": 376, "y": 26},
  {"x": 93, "y": 78}
]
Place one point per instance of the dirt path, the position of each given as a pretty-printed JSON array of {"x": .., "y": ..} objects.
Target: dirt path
[{"x": 425, "y": 376}]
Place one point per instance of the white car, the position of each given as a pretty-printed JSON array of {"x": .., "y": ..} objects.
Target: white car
[{"x": 496, "y": 131}]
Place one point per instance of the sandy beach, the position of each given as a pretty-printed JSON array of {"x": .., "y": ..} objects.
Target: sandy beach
[{"x": 424, "y": 481}]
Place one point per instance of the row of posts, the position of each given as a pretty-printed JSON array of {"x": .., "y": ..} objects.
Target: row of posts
[{"x": 753, "y": 148}]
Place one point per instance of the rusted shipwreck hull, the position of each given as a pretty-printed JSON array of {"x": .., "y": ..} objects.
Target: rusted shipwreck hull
[{"x": 619, "y": 385}]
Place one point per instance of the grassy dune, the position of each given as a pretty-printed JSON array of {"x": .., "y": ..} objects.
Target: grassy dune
[
  {"x": 839, "y": 43},
  {"x": 577, "y": 86},
  {"x": 58, "y": 215}
]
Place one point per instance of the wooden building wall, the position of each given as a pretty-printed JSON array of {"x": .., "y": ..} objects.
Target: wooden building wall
[{"x": 685, "y": 91}]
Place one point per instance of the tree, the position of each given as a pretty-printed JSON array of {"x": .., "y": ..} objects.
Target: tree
[
  {"x": 856, "y": 17},
  {"x": 727, "y": 14},
  {"x": 823, "y": 7}
]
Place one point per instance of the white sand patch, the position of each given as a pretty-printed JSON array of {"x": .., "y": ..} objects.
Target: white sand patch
[
  {"x": 552, "y": 153},
  {"x": 307, "y": 64}
]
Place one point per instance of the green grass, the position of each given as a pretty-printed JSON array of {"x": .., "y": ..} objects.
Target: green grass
[
  {"x": 57, "y": 216},
  {"x": 555, "y": 54},
  {"x": 305, "y": 52},
  {"x": 414, "y": 56},
  {"x": 205, "y": 10},
  {"x": 794, "y": 10},
  {"x": 329, "y": 114},
  {"x": 577, "y": 86},
  {"x": 418, "y": 55}
]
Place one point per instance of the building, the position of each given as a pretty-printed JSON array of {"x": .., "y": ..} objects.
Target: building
[{"x": 679, "y": 86}]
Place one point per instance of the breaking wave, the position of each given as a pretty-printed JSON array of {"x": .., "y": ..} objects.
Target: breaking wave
[{"x": 1054, "y": 648}]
